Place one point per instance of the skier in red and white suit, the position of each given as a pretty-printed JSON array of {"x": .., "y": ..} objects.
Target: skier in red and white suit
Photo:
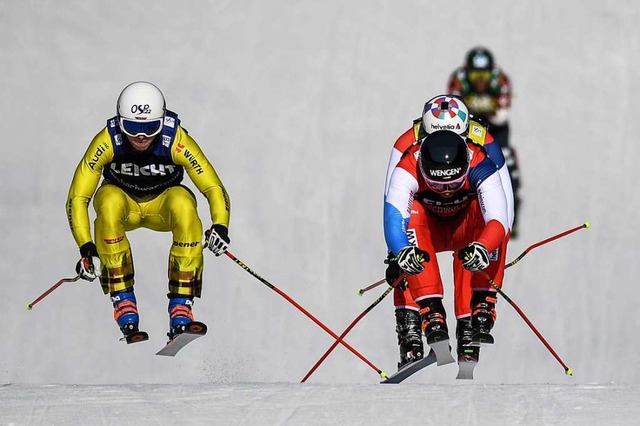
[{"x": 445, "y": 220}]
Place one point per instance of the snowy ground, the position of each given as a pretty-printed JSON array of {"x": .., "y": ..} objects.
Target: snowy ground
[
  {"x": 293, "y": 404},
  {"x": 297, "y": 105}
]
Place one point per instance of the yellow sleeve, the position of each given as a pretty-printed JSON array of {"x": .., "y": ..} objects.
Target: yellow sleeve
[
  {"x": 84, "y": 184},
  {"x": 187, "y": 153}
]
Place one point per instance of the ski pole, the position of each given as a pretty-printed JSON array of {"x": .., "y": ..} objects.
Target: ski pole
[
  {"x": 372, "y": 286},
  {"x": 514, "y": 261},
  {"x": 304, "y": 311},
  {"x": 548, "y": 240},
  {"x": 53, "y": 287},
  {"x": 345, "y": 332},
  {"x": 567, "y": 370}
]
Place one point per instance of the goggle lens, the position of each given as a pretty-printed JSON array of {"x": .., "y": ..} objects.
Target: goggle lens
[
  {"x": 479, "y": 76},
  {"x": 138, "y": 128},
  {"x": 448, "y": 187}
]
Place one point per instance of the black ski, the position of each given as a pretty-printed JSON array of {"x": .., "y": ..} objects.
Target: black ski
[
  {"x": 135, "y": 337},
  {"x": 192, "y": 331},
  {"x": 411, "y": 368}
]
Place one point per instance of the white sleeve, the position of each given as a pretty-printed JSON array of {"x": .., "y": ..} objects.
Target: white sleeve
[
  {"x": 393, "y": 162},
  {"x": 508, "y": 191},
  {"x": 493, "y": 201}
]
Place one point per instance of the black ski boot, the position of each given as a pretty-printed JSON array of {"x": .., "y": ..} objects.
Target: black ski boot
[
  {"x": 483, "y": 311},
  {"x": 409, "y": 336},
  {"x": 464, "y": 334},
  {"x": 467, "y": 355},
  {"x": 434, "y": 327}
]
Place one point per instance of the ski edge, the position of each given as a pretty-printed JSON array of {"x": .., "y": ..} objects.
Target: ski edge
[{"x": 410, "y": 369}]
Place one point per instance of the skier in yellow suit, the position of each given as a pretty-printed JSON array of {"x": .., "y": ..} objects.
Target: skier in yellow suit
[{"x": 142, "y": 155}]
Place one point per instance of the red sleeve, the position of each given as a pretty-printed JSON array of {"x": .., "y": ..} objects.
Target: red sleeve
[
  {"x": 455, "y": 85},
  {"x": 492, "y": 235},
  {"x": 405, "y": 141},
  {"x": 408, "y": 160}
]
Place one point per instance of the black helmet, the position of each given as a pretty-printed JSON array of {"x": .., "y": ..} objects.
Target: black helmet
[
  {"x": 479, "y": 58},
  {"x": 444, "y": 161}
]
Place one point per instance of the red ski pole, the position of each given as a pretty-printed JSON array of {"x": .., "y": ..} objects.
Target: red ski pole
[
  {"x": 372, "y": 286},
  {"x": 548, "y": 240},
  {"x": 53, "y": 287},
  {"x": 567, "y": 370},
  {"x": 345, "y": 332},
  {"x": 304, "y": 311},
  {"x": 513, "y": 262}
]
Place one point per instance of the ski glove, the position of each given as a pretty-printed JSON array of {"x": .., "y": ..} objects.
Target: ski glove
[
  {"x": 410, "y": 259},
  {"x": 474, "y": 257},
  {"x": 216, "y": 239},
  {"x": 393, "y": 273},
  {"x": 86, "y": 266}
]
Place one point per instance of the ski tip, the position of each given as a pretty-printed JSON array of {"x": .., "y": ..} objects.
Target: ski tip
[
  {"x": 29, "y": 307},
  {"x": 587, "y": 224},
  {"x": 569, "y": 371},
  {"x": 197, "y": 327},
  {"x": 138, "y": 336}
]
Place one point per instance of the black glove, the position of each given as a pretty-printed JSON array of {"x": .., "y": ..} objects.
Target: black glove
[
  {"x": 86, "y": 267},
  {"x": 393, "y": 273},
  {"x": 217, "y": 239},
  {"x": 410, "y": 259},
  {"x": 474, "y": 257}
]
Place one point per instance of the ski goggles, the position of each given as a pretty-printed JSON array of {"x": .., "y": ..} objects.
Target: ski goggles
[
  {"x": 446, "y": 188},
  {"x": 141, "y": 128},
  {"x": 477, "y": 76}
]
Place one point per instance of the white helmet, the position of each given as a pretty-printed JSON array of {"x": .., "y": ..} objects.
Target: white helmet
[
  {"x": 445, "y": 112},
  {"x": 141, "y": 109}
]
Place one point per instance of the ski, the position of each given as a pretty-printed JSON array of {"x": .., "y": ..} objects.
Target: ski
[
  {"x": 480, "y": 339},
  {"x": 439, "y": 342},
  {"x": 411, "y": 368},
  {"x": 192, "y": 331},
  {"x": 466, "y": 364},
  {"x": 135, "y": 337}
]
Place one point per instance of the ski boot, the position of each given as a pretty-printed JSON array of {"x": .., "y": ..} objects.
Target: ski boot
[
  {"x": 464, "y": 333},
  {"x": 483, "y": 316},
  {"x": 434, "y": 327},
  {"x": 180, "y": 314},
  {"x": 467, "y": 355},
  {"x": 125, "y": 312},
  {"x": 409, "y": 336}
]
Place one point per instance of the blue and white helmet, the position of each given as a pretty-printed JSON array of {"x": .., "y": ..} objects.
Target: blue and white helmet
[
  {"x": 445, "y": 112},
  {"x": 141, "y": 108}
]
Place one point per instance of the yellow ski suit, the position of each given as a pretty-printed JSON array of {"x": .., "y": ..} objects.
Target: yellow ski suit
[{"x": 142, "y": 189}]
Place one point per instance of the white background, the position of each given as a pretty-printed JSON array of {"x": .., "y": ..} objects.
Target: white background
[{"x": 297, "y": 105}]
